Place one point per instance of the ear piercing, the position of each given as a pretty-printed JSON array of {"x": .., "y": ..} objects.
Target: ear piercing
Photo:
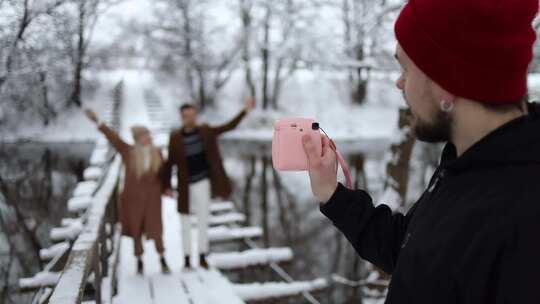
[{"x": 447, "y": 106}]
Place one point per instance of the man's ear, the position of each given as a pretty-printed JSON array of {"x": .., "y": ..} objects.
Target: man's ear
[
  {"x": 441, "y": 93},
  {"x": 449, "y": 96}
]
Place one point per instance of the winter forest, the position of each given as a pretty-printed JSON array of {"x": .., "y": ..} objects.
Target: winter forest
[{"x": 135, "y": 62}]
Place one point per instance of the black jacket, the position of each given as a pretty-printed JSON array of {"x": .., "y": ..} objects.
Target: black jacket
[{"x": 474, "y": 234}]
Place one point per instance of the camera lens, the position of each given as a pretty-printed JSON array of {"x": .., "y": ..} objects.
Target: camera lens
[{"x": 315, "y": 126}]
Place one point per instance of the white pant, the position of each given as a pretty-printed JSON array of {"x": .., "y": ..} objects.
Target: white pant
[{"x": 199, "y": 201}]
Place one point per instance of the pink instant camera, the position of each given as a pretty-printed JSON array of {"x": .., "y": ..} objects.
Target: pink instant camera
[{"x": 288, "y": 151}]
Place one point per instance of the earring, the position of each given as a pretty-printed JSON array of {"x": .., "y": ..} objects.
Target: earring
[{"x": 447, "y": 106}]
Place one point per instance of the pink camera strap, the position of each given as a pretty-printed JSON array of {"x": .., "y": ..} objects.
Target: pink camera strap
[
  {"x": 342, "y": 163},
  {"x": 345, "y": 169}
]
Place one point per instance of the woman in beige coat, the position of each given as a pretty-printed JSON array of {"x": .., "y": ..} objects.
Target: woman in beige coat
[{"x": 140, "y": 200}]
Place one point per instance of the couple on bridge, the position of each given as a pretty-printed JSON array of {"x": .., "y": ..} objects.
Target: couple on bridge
[{"x": 194, "y": 151}]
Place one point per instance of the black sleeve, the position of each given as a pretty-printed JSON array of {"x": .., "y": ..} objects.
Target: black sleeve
[
  {"x": 375, "y": 232},
  {"x": 521, "y": 262}
]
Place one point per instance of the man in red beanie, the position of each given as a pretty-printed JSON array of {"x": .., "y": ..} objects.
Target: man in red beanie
[{"x": 473, "y": 236}]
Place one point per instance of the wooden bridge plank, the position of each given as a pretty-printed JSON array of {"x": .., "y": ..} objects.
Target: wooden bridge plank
[
  {"x": 135, "y": 289},
  {"x": 198, "y": 291},
  {"x": 220, "y": 286},
  {"x": 209, "y": 286},
  {"x": 168, "y": 289}
]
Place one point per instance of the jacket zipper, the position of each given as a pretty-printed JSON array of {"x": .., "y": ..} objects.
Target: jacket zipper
[
  {"x": 432, "y": 187},
  {"x": 440, "y": 175}
]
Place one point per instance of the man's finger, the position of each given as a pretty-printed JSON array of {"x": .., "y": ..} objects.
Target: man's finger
[
  {"x": 329, "y": 155},
  {"x": 325, "y": 144},
  {"x": 309, "y": 148},
  {"x": 328, "y": 150}
]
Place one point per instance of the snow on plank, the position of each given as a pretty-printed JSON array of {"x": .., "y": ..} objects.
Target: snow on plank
[
  {"x": 224, "y": 219},
  {"x": 168, "y": 289},
  {"x": 79, "y": 203},
  {"x": 209, "y": 287},
  {"x": 85, "y": 188},
  {"x": 139, "y": 290},
  {"x": 198, "y": 291},
  {"x": 266, "y": 291},
  {"x": 46, "y": 254},
  {"x": 70, "y": 221},
  {"x": 225, "y": 234},
  {"x": 221, "y": 286},
  {"x": 99, "y": 156},
  {"x": 43, "y": 278},
  {"x": 69, "y": 232},
  {"x": 92, "y": 173},
  {"x": 221, "y": 207},
  {"x": 228, "y": 218},
  {"x": 250, "y": 258}
]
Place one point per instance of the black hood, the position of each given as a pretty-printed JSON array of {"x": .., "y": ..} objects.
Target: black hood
[{"x": 514, "y": 143}]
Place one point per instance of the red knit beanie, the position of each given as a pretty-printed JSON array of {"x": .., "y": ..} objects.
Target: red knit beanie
[{"x": 476, "y": 49}]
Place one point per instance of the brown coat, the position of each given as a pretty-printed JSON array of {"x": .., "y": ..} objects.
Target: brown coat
[
  {"x": 140, "y": 200},
  {"x": 219, "y": 182}
]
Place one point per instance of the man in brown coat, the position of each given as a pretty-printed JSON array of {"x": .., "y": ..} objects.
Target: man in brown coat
[{"x": 194, "y": 150}]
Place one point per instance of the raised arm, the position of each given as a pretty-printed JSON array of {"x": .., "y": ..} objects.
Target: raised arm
[
  {"x": 375, "y": 232},
  {"x": 118, "y": 143},
  {"x": 250, "y": 104}
]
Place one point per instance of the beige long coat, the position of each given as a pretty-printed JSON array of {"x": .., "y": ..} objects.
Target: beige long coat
[{"x": 140, "y": 200}]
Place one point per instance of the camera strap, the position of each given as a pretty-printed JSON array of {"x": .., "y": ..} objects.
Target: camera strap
[{"x": 341, "y": 161}]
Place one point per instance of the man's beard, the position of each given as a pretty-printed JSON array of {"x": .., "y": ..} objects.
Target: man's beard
[{"x": 439, "y": 130}]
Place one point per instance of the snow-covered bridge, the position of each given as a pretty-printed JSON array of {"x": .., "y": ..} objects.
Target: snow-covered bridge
[{"x": 92, "y": 263}]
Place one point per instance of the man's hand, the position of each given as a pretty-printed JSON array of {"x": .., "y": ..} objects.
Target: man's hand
[
  {"x": 250, "y": 104},
  {"x": 169, "y": 193},
  {"x": 322, "y": 168},
  {"x": 91, "y": 115}
]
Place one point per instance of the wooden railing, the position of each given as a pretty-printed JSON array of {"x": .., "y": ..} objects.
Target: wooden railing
[
  {"x": 95, "y": 251},
  {"x": 88, "y": 268}
]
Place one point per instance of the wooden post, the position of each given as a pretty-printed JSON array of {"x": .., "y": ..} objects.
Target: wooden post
[
  {"x": 97, "y": 273},
  {"x": 103, "y": 251},
  {"x": 264, "y": 202}
]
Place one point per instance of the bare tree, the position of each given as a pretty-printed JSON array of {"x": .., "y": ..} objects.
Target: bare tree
[
  {"x": 37, "y": 73},
  {"x": 281, "y": 54},
  {"x": 28, "y": 12},
  {"x": 246, "y": 8},
  {"x": 363, "y": 22},
  {"x": 27, "y": 58},
  {"x": 187, "y": 46},
  {"x": 85, "y": 15}
]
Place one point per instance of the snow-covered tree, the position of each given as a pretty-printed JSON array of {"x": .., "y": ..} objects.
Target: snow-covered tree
[
  {"x": 43, "y": 53},
  {"x": 194, "y": 46}
]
